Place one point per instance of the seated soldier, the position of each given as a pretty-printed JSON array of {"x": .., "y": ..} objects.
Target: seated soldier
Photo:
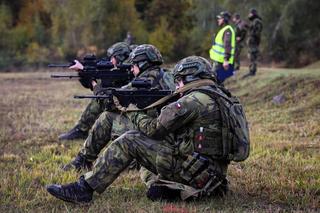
[
  {"x": 146, "y": 61},
  {"x": 183, "y": 145},
  {"x": 118, "y": 53}
]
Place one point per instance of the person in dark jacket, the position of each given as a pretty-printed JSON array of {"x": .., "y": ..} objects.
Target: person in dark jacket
[
  {"x": 253, "y": 41},
  {"x": 241, "y": 29}
]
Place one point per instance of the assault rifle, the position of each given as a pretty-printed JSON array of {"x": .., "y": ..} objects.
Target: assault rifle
[
  {"x": 110, "y": 75},
  {"x": 142, "y": 96}
]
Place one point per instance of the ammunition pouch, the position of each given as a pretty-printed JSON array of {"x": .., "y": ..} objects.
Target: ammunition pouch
[{"x": 200, "y": 174}]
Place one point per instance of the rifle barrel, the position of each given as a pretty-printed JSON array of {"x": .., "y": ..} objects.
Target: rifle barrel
[
  {"x": 64, "y": 76},
  {"x": 60, "y": 65},
  {"x": 90, "y": 96}
]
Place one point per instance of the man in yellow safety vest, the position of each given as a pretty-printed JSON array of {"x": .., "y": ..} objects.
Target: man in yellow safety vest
[{"x": 223, "y": 48}]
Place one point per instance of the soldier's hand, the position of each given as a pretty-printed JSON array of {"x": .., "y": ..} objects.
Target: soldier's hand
[
  {"x": 226, "y": 65},
  {"x": 132, "y": 107},
  {"x": 129, "y": 108},
  {"x": 118, "y": 105},
  {"x": 94, "y": 83},
  {"x": 77, "y": 66},
  {"x": 98, "y": 89}
]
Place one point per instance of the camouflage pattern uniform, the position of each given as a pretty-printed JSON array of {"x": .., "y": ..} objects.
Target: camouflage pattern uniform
[
  {"x": 91, "y": 113},
  {"x": 95, "y": 108},
  {"x": 162, "y": 145},
  {"x": 109, "y": 125},
  {"x": 184, "y": 146},
  {"x": 160, "y": 156},
  {"x": 253, "y": 41},
  {"x": 241, "y": 31}
]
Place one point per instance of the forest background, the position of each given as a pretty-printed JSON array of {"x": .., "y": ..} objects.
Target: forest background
[{"x": 36, "y": 32}]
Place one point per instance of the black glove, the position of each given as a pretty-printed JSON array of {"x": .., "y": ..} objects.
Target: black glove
[{"x": 86, "y": 82}]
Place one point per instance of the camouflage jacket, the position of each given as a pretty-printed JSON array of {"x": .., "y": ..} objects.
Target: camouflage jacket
[
  {"x": 159, "y": 78},
  {"x": 192, "y": 123},
  {"x": 241, "y": 31},
  {"x": 255, "y": 28}
]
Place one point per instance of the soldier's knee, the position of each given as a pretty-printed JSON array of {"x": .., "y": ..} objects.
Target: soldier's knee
[
  {"x": 127, "y": 141},
  {"x": 128, "y": 137},
  {"x": 106, "y": 116}
]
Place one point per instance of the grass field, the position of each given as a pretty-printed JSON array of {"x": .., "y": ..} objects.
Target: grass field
[{"x": 282, "y": 173}]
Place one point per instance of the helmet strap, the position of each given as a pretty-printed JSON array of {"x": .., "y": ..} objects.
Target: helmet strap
[{"x": 144, "y": 65}]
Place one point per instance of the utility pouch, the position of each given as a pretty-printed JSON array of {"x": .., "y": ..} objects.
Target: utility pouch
[
  {"x": 201, "y": 179},
  {"x": 193, "y": 166}
]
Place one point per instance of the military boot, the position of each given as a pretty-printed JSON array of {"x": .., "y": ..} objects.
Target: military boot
[
  {"x": 160, "y": 192},
  {"x": 78, "y": 192},
  {"x": 73, "y": 134},
  {"x": 78, "y": 164},
  {"x": 249, "y": 74}
]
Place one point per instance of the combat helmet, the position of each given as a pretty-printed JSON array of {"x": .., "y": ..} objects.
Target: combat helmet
[
  {"x": 145, "y": 56},
  {"x": 193, "y": 68},
  {"x": 120, "y": 51}
]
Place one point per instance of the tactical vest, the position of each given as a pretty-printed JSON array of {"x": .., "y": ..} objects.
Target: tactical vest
[
  {"x": 207, "y": 132},
  {"x": 217, "y": 51},
  {"x": 235, "y": 141}
]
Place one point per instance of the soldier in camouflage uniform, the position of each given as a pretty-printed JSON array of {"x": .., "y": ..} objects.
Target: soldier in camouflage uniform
[
  {"x": 129, "y": 38},
  {"x": 183, "y": 145},
  {"x": 241, "y": 31},
  {"x": 117, "y": 53},
  {"x": 110, "y": 124},
  {"x": 253, "y": 41}
]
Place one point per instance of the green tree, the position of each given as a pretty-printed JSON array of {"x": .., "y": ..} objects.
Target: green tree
[
  {"x": 163, "y": 39},
  {"x": 5, "y": 25}
]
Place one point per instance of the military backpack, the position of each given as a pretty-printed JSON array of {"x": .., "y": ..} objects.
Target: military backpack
[{"x": 235, "y": 131}]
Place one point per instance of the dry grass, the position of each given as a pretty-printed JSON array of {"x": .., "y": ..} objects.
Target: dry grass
[{"x": 282, "y": 173}]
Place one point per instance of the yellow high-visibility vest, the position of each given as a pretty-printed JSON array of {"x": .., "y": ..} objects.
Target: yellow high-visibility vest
[{"x": 218, "y": 49}]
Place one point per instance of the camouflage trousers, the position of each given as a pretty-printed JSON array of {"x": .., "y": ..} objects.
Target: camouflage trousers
[
  {"x": 90, "y": 115},
  {"x": 237, "y": 54},
  {"x": 253, "y": 53},
  {"x": 109, "y": 125},
  {"x": 159, "y": 157}
]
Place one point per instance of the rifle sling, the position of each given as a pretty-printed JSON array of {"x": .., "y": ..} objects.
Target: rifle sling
[{"x": 195, "y": 84}]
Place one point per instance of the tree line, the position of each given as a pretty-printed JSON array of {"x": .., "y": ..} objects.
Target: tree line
[{"x": 38, "y": 31}]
